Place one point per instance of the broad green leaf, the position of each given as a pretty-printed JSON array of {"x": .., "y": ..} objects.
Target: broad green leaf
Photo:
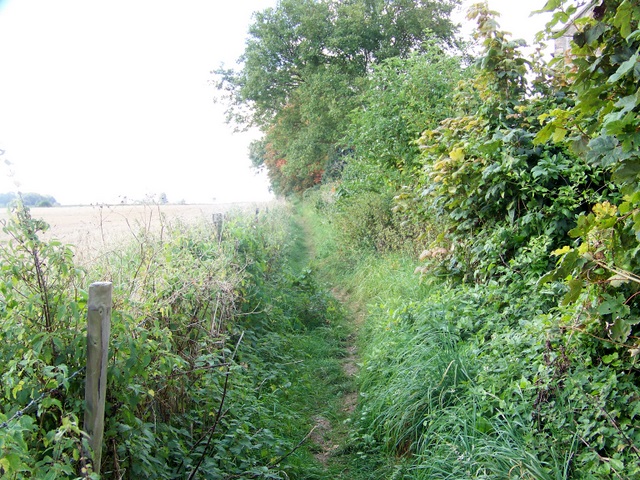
[
  {"x": 628, "y": 103},
  {"x": 52, "y": 475},
  {"x": 625, "y": 207},
  {"x": 614, "y": 306},
  {"x": 636, "y": 224},
  {"x": 595, "y": 32},
  {"x": 559, "y": 134},
  {"x": 457, "y": 154},
  {"x": 628, "y": 172},
  {"x": 605, "y": 151},
  {"x": 620, "y": 330},
  {"x": 544, "y": 134},
  {"x": 551, "y": 5},
  {"x": 549, "y": 277},
  {"x": 585, "y": 224},
  {"x": 575, "y": 289},
  {"x": 623, "y": 17},
  {"x": 624, "y": 68},
  {"x": 12, "y": 464},
  {"x": 561, "y": 251}
]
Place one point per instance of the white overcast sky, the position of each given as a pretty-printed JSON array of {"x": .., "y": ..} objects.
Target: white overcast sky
[{"x": 101, "y": 100}]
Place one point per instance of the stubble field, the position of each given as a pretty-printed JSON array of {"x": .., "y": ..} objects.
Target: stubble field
[{"x": 91, "y": 229}]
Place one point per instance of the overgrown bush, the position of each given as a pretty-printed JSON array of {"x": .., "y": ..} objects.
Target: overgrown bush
[
  {"x": 479, "y": 382},
  {"x": 497, "y": 188},
  {"x": 41, "y": 341},
  {"x": 488, "y": 380}
]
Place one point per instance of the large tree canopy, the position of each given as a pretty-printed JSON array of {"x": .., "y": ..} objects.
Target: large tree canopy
[{"x": 303, "y": 66}]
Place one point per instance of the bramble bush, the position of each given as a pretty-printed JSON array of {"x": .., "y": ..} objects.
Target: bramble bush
[
  {"x": 42, "y": 338},
  {"x": 499, "y": 191}
]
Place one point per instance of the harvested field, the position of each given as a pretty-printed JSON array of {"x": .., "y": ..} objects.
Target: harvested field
[{"x": 93, "y": 228}]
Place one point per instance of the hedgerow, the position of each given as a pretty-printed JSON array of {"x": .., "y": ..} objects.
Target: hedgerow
[
  {"x": 202, "y": 363},
  {"x": 516, "y": 357}
]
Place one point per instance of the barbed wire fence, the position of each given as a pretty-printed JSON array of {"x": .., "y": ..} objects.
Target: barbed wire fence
[{"x": 44, "y": 394}]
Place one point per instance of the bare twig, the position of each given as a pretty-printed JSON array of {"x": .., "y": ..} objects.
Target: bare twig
[
  {"x": 293, "y": 450},
  {"x": 219, "y": 414}
]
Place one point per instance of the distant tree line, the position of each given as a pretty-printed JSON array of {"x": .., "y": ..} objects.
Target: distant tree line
[{"x": 29, "y": 199}]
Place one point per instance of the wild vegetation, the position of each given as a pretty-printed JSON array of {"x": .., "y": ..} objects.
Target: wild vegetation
[
  {"x": 218, "y": 345},
  {"x": 28, "y": 199},
  {"x": 304, "y": 63},
  {"x": 480, "y": 211},
  {"x": 515, "y": 352}
]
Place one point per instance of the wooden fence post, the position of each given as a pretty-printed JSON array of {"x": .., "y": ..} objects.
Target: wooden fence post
[
  {"x": 98, "y": 330},
  {"x": 218, "y": 220}
]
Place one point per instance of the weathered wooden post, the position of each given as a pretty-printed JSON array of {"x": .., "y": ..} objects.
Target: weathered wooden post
[
  {"x": 218, "y": 220},
  {"x": 98, "y": 330}
]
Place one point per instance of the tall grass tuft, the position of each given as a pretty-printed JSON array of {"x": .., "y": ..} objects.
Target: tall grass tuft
[
  {"x": 461, "y": 443},
  {"x": 416, "y": 369}
]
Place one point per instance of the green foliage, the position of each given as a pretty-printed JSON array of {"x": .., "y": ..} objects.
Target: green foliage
[
  {"x": 28, "y": 199},
  {"x": 501, "y": 192},
  {"x": 530, "y": 371},
  {"x": 41, "y": 334},
  {"x": 479, "y": 382},
  {"x": 404, "y": 96},
  {"x": 366, "y": 221},
  {"x": 303, "y": 67},
  {"x": 602, "y": 126},
  {"x": 206, "y": 342}
]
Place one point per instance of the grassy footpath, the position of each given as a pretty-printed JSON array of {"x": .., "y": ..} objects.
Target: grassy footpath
[
  {"x": 325, "y": 392},
  {"x": 342, "y": 448}
]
